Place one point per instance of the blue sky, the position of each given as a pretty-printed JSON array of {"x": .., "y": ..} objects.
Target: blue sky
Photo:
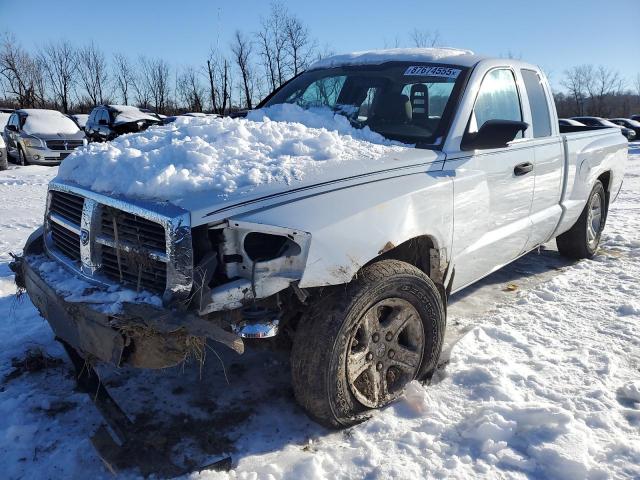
[{"x": 555, "y": 34}]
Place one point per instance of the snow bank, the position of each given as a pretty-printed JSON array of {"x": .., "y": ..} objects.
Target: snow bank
[
  {"x": 222, "y": 155},
  {"x": 376, "y": 57},
  {"x": 48, "y": 122},
  {"x": 128, "y": 114}
]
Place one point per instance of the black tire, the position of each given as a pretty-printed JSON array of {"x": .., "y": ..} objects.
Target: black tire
[
  {"x": 583, "y": 239},
  {"x": 334, "y": 332},
  {"x": 22, "y": 158}
]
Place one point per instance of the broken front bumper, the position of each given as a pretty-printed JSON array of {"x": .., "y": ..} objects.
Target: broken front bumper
[{"x": 141, "y": 335}]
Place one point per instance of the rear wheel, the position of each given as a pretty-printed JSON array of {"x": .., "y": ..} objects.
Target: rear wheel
[
  {"x": 363, "y": 342},
  {"x": 583, "y": 239}
]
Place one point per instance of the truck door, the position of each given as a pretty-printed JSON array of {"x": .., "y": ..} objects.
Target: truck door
[
  {"x": 493, "y": 189},
  {"x": 549, "y": 160}
]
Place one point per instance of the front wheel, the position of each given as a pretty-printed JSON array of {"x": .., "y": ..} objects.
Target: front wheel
[
  {"x": 362, "y": 343},
  {"x": 22, "y": 158},
  {"x": 583, "y": 239}
]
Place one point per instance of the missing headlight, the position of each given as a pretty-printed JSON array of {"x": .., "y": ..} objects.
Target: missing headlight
[{"x": 263, "y": 247}]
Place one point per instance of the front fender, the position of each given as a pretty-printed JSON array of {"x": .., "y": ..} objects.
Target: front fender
[{"x": 350, "y": 227}]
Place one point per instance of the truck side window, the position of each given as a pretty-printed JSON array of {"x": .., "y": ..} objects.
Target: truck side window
[
  {"x": 497, "y": 99},
  {"x": 538, "y": 103}
]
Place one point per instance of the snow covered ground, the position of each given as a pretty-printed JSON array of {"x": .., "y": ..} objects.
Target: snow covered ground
[{"x": 541, "y": 379}]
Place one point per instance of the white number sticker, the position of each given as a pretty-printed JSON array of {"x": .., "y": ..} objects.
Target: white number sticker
[{"x": 423, "y": 71}]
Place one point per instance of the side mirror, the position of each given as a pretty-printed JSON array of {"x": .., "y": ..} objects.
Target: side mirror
[
  {"x": 493, "y": 134},
  {"x": 13, "y": 128}
]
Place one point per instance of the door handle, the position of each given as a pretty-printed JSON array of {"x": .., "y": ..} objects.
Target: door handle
[{"x": 523, "y": 169}]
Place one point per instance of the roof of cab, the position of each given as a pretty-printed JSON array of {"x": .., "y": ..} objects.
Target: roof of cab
[{"x": 445, "y": 55}]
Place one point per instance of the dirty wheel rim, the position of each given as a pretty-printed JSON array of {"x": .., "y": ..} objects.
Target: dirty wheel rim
[
  {"x": 385, "y": 352},
  {"x": 594, "y": 220}
]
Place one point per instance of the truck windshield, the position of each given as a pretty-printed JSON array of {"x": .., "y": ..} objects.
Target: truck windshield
[{"x": 411, "y": 103}]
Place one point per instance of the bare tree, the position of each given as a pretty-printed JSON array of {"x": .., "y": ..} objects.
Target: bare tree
[
  {"x": 636, "y": 84},
  {"x": 601, "y": 82},
  {"x": 242, "y": 49},
  {"x": 60, "y": 63},
  {"x": 575, "y": 81},
  {"x": 152, "y": 84},
  {"x": 21, "y": 74},
  {"x": 298, "y": 44},
  {"x": 425, "y": 38},
  {"x": 272, "y": 42},
  {"x": 211, "y": 73},
  {"x": 92, "y": 70},
  {"x": 123, "y": 75},
  {"x": 190, "y": 90}
]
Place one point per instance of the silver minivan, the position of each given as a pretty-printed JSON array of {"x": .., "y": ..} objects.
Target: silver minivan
[{"x": 41, "y": 136}]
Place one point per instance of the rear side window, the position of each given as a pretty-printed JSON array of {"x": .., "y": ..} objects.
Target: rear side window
[
  {"x": 538, "y": 103},
  {"x": 498, "y": 99}
]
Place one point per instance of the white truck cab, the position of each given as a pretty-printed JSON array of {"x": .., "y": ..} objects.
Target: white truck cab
[{"x": 353, "y": 261}]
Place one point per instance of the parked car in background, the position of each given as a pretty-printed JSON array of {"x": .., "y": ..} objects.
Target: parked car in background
[
  {"x": 106, "y": 122},
  {"x": 603, "y": 122},
  {"x": 628, "y": 123},
  {"x": 80, "y": 119},
  {"x": 4, "y": 162},
  {"x": 41, "y": 136},
  {"x": 4, "y": 118},
  {"x": 569, "y": 122},
  {"x": 635, "y": 117}
]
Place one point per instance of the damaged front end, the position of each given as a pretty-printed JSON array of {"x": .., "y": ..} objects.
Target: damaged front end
[{"x": 156, "y": 289}]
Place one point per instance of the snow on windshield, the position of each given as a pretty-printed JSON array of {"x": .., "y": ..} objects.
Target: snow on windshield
[
  {"x": 128, "y": 114},
  {"x": 48, "y": 122},
  {"x": 222, "y": 155}
]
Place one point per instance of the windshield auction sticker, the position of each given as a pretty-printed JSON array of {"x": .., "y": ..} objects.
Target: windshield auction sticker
[{"x": 423, "y": 71}]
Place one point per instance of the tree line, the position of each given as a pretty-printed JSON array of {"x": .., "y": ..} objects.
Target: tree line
[
  {"x": 62, "y": 76},
  {"x": 598, "y": 91}
]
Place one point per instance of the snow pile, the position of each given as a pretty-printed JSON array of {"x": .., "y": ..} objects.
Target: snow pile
[
  {"x": 48, "y": 122},
  {"x": 81, "y": 119},
  {"x": 223, "y": 155},
  {"x": 128, "y": 114},
  {"x": 376, "y": 57}
]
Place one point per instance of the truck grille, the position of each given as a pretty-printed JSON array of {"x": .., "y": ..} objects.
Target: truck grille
[
  {"x": 63, "y": 144},
  {"x": 124, "y": 247},
  {"x": 69, "y": 207},
  {"x": 141, "y": 238},
  {"x": 136, "y": 230}
]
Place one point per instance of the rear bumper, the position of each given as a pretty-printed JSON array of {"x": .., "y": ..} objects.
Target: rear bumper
[{"x": 142, "y": 335}]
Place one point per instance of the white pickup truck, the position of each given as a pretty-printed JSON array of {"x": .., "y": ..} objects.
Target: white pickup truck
[{"x": 350, "y": 261}]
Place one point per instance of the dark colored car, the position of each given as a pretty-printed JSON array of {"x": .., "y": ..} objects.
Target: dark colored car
[
  {"x": 628, "y": 123},
  {"x": 603, "y": 122},
  {"x": 106, "y": 122},
  {"x": 635, "y": 117}
]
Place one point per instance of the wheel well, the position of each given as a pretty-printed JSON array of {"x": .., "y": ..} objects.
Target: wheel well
[
  {"x": 605, "y": 178},
  {"x": 421, "y": 252}
]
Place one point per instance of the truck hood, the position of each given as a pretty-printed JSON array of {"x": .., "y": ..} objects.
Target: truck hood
[{"x": 215, "y": 167}]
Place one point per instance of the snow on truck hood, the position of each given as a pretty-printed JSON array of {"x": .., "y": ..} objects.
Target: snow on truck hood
[{"x": 202, "y": 162}]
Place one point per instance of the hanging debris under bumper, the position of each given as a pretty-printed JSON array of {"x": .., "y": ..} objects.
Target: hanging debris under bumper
[{"x": 140, "y": 335}]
